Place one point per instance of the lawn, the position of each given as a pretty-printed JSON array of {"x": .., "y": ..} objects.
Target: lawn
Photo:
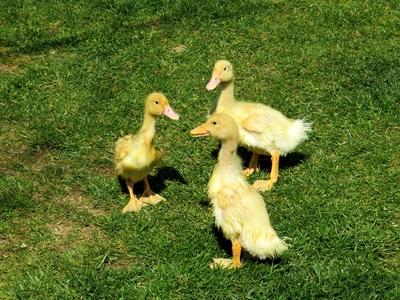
[{"x": 73, "y": 78}]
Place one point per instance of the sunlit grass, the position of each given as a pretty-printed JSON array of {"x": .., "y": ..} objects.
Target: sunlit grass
[{"x": 73, "y": 78}]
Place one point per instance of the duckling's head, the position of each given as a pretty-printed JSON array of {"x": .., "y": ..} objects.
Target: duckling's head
[
  {"x": 219, "y": 125},
  {"x": 157, "y": 104},
  {"x": 223, "y": 72}
]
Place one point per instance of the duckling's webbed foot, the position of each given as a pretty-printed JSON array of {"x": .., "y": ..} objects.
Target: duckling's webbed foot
[
  {"x": 249, "y": 171},
  {"x": 153, "y": 199},
  {"x": 133, "y": 205},
  {"x": 253, "y": 165},
  {"x": 263, "y": 185},
  {"x": 224, "y": 263},
  {"x": 148, "y": 196}
]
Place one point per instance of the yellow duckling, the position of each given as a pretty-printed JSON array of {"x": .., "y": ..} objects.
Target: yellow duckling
[
  {"x": 262, "y": 129},
  {"x": 238, "y": 208},
  {"x": 135, "y": 155}
]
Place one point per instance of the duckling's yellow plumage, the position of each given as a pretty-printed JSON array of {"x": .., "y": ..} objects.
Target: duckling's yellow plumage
[
  {"x": 135, "y": 154},
  {"x": 262, "y": 129},
  {"x": 239, "y": 209}
]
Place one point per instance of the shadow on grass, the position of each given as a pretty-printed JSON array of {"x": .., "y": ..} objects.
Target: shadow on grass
[
  {"x": 157, "y": 182},
  {"x": 285, "y": 162},
  {"x": 41, "y": 44},
  {"x": 223, "y": 243},
  {"x": 226, "y": 245}
]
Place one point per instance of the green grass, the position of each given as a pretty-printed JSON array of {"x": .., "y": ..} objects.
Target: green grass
[{"x": 73, "y": 77}]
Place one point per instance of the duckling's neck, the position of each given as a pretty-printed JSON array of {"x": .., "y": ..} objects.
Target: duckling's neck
[
  {"x": 227, "y": 153},
  {"x": 227, "y": 97},
  {"x": 148, "y": 129}
]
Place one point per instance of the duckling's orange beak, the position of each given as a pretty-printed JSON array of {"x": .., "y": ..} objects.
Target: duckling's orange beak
[
  {"x": 168, "y": 111},
  {"x": 200, "y": 131},
  {"x": 213, "y": 83}
]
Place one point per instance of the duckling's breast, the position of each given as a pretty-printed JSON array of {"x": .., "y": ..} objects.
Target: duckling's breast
[
  {"x": 225, "y": 190},
  {"x": 132, "y": 172},
  {"x": 138, "y": 163}
]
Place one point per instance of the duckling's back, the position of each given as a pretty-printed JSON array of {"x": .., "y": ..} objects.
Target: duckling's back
[
  {"x": 258, "y": 236},
  {"x": 264, "y": 129}
]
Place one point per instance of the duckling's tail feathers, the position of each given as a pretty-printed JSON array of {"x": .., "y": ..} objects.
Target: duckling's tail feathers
[
  {"x": 271, "y": 247},
  {"x": 297, "y": 133}
]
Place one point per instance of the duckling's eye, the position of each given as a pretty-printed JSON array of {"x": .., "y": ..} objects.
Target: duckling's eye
[
  {"x": 156, "y": 102},
  {"x": 226, "y": 68},
  {"x": 214, "y": 123}
]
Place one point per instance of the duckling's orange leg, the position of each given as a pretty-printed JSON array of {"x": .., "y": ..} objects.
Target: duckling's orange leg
[
  {"x": 236, "y": 250},
  {"x": 148, "y": 195},
  {"x": 253, "y": 165},
  {"x": 134, "y": 204},
  {"x": 265, "y": 185},
  {"x": 147, "y": 189},
  {"x": 227, "y": 263}
]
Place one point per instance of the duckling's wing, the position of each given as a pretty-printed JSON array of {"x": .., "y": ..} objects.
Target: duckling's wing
[
  {"x": 265, "y": 119},
  {"x": 254, "y": 124},
  {"x": 123, "y": 150},
  {"x": 123, "y": 146},
  {"x": 226, "y": 197}
]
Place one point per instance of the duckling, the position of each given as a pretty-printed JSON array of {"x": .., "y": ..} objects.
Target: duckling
[
  {"x": 135, "y": 154},
  {"x": 262, "y": 129},
  {"x": 239, "y": 209}
]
